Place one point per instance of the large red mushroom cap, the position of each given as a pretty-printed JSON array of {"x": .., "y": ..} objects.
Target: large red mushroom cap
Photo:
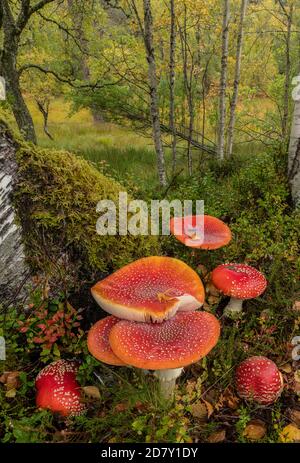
[
  {"x": 239, "y": 281},
  {"x": 258, "y": 378},
  {"x": 174, "y": 343},
  {"x": 150, "y": 289},
  {"x": 98, "y": 343},
  {"x": 205, "y": 232},
  {"x": 58, "y": 390}
]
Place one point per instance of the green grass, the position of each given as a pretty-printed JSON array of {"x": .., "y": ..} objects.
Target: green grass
[
  {"x": 117, "y": 149},
  {"x": 121, "y": 150}
]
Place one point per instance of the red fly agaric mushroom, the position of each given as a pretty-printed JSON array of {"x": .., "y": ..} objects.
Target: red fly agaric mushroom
[
  {"x": 58, "y": 390},
  {"x": 258, "y": 378},
  {"x": 98, "y": 342},
  {"x": 150, "y": 289},
  {"x": 166, "y": 347},
  {"x": 240, "y": 282},
  {"x": 205, "y": 232}
]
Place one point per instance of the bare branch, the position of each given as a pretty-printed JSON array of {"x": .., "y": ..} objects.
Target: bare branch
[{"x": 65, "y": 80}]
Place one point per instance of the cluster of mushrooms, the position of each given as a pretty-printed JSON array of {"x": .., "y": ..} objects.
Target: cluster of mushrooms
[{"x": 153, "y": 322}]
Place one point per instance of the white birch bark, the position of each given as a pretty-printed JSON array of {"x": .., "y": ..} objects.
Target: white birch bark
[
  {"x": 154, "y": 106},
  {"x": 13, "y": 270},
  {"x": 223, "y": 81},
  {"x": 287, "y": 73},
  {"x": 172, "y": 84},
  {"x": 237, "y": 75},
  {"x": 294, "y": 147}
]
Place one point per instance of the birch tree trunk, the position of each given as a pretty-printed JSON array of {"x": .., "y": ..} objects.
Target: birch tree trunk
[
  {"x": 188, "y": 74},
  {"x": 13, "y": 269},
  {"x": 154, "y": 106},
  {"x": 172, "y": 84},
  {"x": 237, "y": 75},
  {"x": 9, "y": 71},
  {"x": 223, "y": 81},
  {"x": 294, "y": 148},
  {"x": 287, "y": 73}
]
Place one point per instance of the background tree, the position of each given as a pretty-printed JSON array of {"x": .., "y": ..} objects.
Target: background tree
[
  {"x": 223, "y": 80},
  {"x": 12, "y": 23},
  {"x": 237, "y": 75}
]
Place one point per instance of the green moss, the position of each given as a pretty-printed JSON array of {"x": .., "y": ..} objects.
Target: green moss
[{"x": 56, "y": 202}]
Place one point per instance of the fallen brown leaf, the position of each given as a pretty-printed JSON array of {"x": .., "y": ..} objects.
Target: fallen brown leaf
[
  {"x": 218, "y": 436},
  {"x": 287, "y": 368},
  {"x": 139, "y": 405},
  {"x": 296, "y": 306},
  {"x": 255, "y": 430},
  {"x": 121, "y": 407},
  {"x": 228, "y": 399},
  {"x": 297, "y": 376},
  {"x": 211, "y": 289},
  {"x": 190, "y": 387},
  {"x": 295, "y": 417},
  {"x": 209, "y": 407},
  {"x": 199, "y": 410},
  {"x": 92, "y": 392},
  {"x": 10, "y": 379}
]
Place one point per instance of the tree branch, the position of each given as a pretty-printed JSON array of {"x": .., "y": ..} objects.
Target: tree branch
[
  {"x": 114, "y": 4},
  {"x": 64, "y": 29},
  {"x": 39, "y": 5},
  {"x": 65, "y": 80},
  {"x": 27, "y": 11}
]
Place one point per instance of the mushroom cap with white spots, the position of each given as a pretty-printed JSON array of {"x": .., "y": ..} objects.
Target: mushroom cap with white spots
[
  {"x": 240, "y": 281},
  {"x": 258, "y": 379},
  {"x": 58, "y": 389},
  {"x": 204, "y": 232},
  {"x": 174, "y": 343},
  {"x": 98, "y": 343},
  {"x": 150, "y": 289}
]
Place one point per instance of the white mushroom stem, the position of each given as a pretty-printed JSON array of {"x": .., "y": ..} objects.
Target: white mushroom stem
[
  {"x": 233, "y": 307},
  {"x": 167, "y": 380}
]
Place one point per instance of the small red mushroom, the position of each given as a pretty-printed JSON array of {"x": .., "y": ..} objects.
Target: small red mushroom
[
  {"x": 150, "y": 289},
  {"x": 240, "y": 282},
  {"x": 200, "y": 231},
  {"x": 258, "y": 378},
  {"x": 58, "y": 389}
]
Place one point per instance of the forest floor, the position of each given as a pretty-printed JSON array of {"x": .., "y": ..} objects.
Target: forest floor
[{"x": 249, "y": 193}]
